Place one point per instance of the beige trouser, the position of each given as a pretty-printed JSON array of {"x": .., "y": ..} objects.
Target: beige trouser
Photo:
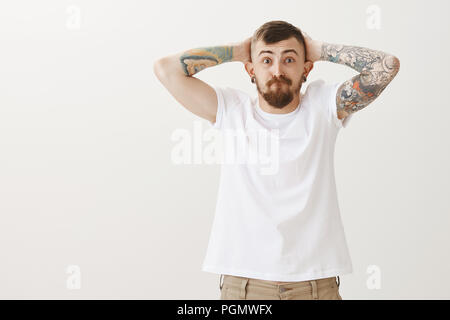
[{"x": 241, "y": 288}]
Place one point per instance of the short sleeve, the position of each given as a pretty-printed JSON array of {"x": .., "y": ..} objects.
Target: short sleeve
[
  {"x": 231, "y": 104},
  {"x": 332, "y": 91},
  {"x": 220, "y": 107}
]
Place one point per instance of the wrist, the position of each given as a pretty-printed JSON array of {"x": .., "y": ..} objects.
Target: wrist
[
  {"x": 238, "y": 53},
  {"x": 241, "y": 51},
  {"x": 316, "y": 55}
]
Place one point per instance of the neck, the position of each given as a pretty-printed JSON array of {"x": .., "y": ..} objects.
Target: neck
[{"x": 286, "y": 109}]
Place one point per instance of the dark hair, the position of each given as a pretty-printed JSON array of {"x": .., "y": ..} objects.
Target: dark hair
[{"x": 277, "y": 30}]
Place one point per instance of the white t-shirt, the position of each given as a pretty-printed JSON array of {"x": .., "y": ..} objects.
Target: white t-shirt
[{"x": 279, "y": 220}]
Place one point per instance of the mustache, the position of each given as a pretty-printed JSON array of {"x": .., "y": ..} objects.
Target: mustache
[{"x": 281, "y": 79}]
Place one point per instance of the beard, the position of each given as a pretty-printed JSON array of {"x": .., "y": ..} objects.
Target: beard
[{"x": 279, "y": 93}]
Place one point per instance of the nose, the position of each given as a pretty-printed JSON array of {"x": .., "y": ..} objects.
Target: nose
[{"x": 277, "y": 69}]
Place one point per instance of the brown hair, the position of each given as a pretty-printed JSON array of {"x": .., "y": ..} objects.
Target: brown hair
[{"x": 275, "y": 31}]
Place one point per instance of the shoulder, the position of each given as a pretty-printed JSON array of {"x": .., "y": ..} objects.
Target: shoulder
[
  {"x": 229, "y": 96},
  {"x": 322, "y": 92},
  {"x": 323, "y": 96},
  {"x": 321, "y": 87},
  {"x": 232, "y": 106},
  {"x": 316, "y": 84}
]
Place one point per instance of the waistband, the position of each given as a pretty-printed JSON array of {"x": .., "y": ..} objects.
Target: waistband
[{"x": 236, "y": 280}]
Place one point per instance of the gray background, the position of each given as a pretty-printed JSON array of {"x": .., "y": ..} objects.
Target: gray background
[{"x": 86, "y": 176}]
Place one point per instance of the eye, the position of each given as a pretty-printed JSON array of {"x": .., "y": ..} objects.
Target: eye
[
  {"x": 265, "y": 59},
  {"x": 290, "y": 59}
]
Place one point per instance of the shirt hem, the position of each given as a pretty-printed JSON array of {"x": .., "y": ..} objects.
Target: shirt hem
[{"x": 278, "y": 277}]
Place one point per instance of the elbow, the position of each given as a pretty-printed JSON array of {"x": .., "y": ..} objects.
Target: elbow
[
  {"x": 393, "y": 64},
  {"x": 159, "y": 68},
  {"x": 396, "y": 63},
  {"x": 166, "y": 68}
]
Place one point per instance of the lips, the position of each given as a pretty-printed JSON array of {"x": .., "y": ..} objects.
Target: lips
[{"x": 278, "y": 84}]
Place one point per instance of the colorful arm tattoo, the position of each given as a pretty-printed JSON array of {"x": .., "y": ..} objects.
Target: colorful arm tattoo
[
  {"x": 376, "y": 68},
  {"x": 195, "y": 60}
]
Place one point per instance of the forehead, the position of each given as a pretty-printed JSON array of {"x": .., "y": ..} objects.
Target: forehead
[{"x": 278, "y": 47}]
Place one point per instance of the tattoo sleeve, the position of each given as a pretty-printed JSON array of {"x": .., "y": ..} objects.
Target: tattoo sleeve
[
  {"x": 376, "y": 70},
  {"x": 195, "y": 60}
]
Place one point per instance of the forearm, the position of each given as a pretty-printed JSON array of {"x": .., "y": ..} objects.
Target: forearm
[
  {"x": 376, "y": 70},
  {"x": 192, "y": 61},
  {"x": 380, "y": 65}
]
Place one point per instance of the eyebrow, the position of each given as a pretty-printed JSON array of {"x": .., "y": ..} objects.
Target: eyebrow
[{"x": 285, "y": 51}]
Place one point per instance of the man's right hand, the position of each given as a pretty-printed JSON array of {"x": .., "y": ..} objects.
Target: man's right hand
[{"x": 241, "y": 51}]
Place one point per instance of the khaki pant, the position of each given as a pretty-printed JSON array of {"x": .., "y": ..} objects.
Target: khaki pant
[{"x": 240, "y": 288}]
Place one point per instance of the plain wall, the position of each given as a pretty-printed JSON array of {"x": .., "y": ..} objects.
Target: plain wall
[{"x": 86, "y": 174}]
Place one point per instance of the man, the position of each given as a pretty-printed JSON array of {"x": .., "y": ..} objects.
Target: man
[{"x": 279, "y": 235}]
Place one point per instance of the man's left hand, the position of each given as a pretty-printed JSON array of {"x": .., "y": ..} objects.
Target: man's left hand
[{"x": 313, "y": 48}]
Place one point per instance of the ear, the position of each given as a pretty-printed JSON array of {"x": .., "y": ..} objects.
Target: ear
[
  {"x": 249, "y": 68},
  {"x": 308, "y": 67}
]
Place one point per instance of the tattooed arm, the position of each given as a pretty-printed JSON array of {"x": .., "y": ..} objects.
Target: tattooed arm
[
  {"x": 376, "y": 70},
  {"x": 195, "y": 60},
  {"x": 176, "y": 72}
]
